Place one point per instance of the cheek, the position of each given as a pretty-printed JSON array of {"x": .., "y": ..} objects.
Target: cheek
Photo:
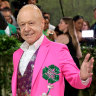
[
  {"x": 87, "y": 27},
  {"x": 38, "y": 31},
  {"x": 60, "y": 26},
  {"x": 81, "y": 25},
  {"x": 78, "y": 25},
  {"x": 21, "y": 33}
]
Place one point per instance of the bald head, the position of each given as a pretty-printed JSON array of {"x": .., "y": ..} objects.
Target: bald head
[
  {"x": 29, "y": 9},
  {"x": 31, "y": 23}
]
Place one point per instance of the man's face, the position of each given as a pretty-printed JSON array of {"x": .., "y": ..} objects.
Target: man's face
[
  {"x": 31, "y": 25},
  {"x": 95, "y": 14}
]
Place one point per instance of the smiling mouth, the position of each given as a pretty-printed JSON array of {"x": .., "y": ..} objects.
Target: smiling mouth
[{"x": 29, "y": 34}]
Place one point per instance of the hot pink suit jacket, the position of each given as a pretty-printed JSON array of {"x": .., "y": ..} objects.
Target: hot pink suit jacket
[{"x": 50, "y": 53}]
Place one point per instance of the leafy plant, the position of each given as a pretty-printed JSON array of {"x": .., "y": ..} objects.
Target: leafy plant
[
  {"x": 92, "y": 50},
  {"x": 7, "y": 46}
]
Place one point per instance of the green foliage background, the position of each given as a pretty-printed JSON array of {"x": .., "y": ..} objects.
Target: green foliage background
[
  {"x": 91, "y": 91},
  {"x": 7, "y": 46}
]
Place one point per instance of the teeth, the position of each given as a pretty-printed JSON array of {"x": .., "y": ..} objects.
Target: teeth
[{"x": 28, "y": 34}]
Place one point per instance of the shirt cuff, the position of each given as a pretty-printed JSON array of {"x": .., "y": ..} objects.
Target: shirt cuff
[{"x": 85, "y": 82}]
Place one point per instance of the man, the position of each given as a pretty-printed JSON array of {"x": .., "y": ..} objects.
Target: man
[
  {"x": 94, "y": 25},
  {"x": 39, "y": 58}
]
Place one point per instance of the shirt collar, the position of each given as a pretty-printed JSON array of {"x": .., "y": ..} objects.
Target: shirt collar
[{"x": 25, "y": 46}]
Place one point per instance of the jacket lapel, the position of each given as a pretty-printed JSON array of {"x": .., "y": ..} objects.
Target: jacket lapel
[
  {"x": 19, "y": 56},
  {"x": 41, "y": 56},
  {"x": 14, "y": 78}
]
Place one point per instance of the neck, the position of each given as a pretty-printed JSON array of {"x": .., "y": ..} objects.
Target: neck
[{"x": 77, "y": 31}]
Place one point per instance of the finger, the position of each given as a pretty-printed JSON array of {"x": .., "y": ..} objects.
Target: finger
[
  {"x": 91, "y": 61},
  {"x": 86, "y": 57},
  {"x": 90, "y": 74},
  {"x": 90, "y": 69}
]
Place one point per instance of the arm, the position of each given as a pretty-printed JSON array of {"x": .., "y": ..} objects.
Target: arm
[
  {"x": 79, "y": 53},
  {"x": 72, "y": 74}
]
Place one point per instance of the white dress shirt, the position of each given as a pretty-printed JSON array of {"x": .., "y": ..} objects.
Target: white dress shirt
[{"x": 28, "y": 53}]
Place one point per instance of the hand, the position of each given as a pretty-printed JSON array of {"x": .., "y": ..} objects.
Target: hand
[
  {"x": 86, "y": 68},
  {"x": 50, "y": 32}
]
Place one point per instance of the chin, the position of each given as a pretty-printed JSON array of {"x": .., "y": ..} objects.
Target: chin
[{"x": 30, "y": 43}]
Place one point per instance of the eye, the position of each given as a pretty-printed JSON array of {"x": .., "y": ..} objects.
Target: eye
[
  {"x": 31, "y": 23},
  {"x": 21, "y": 25}
]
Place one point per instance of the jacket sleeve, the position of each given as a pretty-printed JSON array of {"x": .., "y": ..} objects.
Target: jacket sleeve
[{"x": 70, "y": 70}]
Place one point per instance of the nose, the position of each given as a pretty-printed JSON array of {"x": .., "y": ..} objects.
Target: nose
[{"x": 27, "y": 28}]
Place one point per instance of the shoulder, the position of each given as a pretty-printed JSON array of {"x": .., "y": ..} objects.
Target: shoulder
[
  {"x": 62, "y": 39},
  {"x": 93, "y": 25},
  {"x": 53, "y": 45},
  {"x": 17, "y": 52},
  {"x": 60, "y": 51},
  {"x": 58, "y": 46},
  {"x": 12, "y": 27}
]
